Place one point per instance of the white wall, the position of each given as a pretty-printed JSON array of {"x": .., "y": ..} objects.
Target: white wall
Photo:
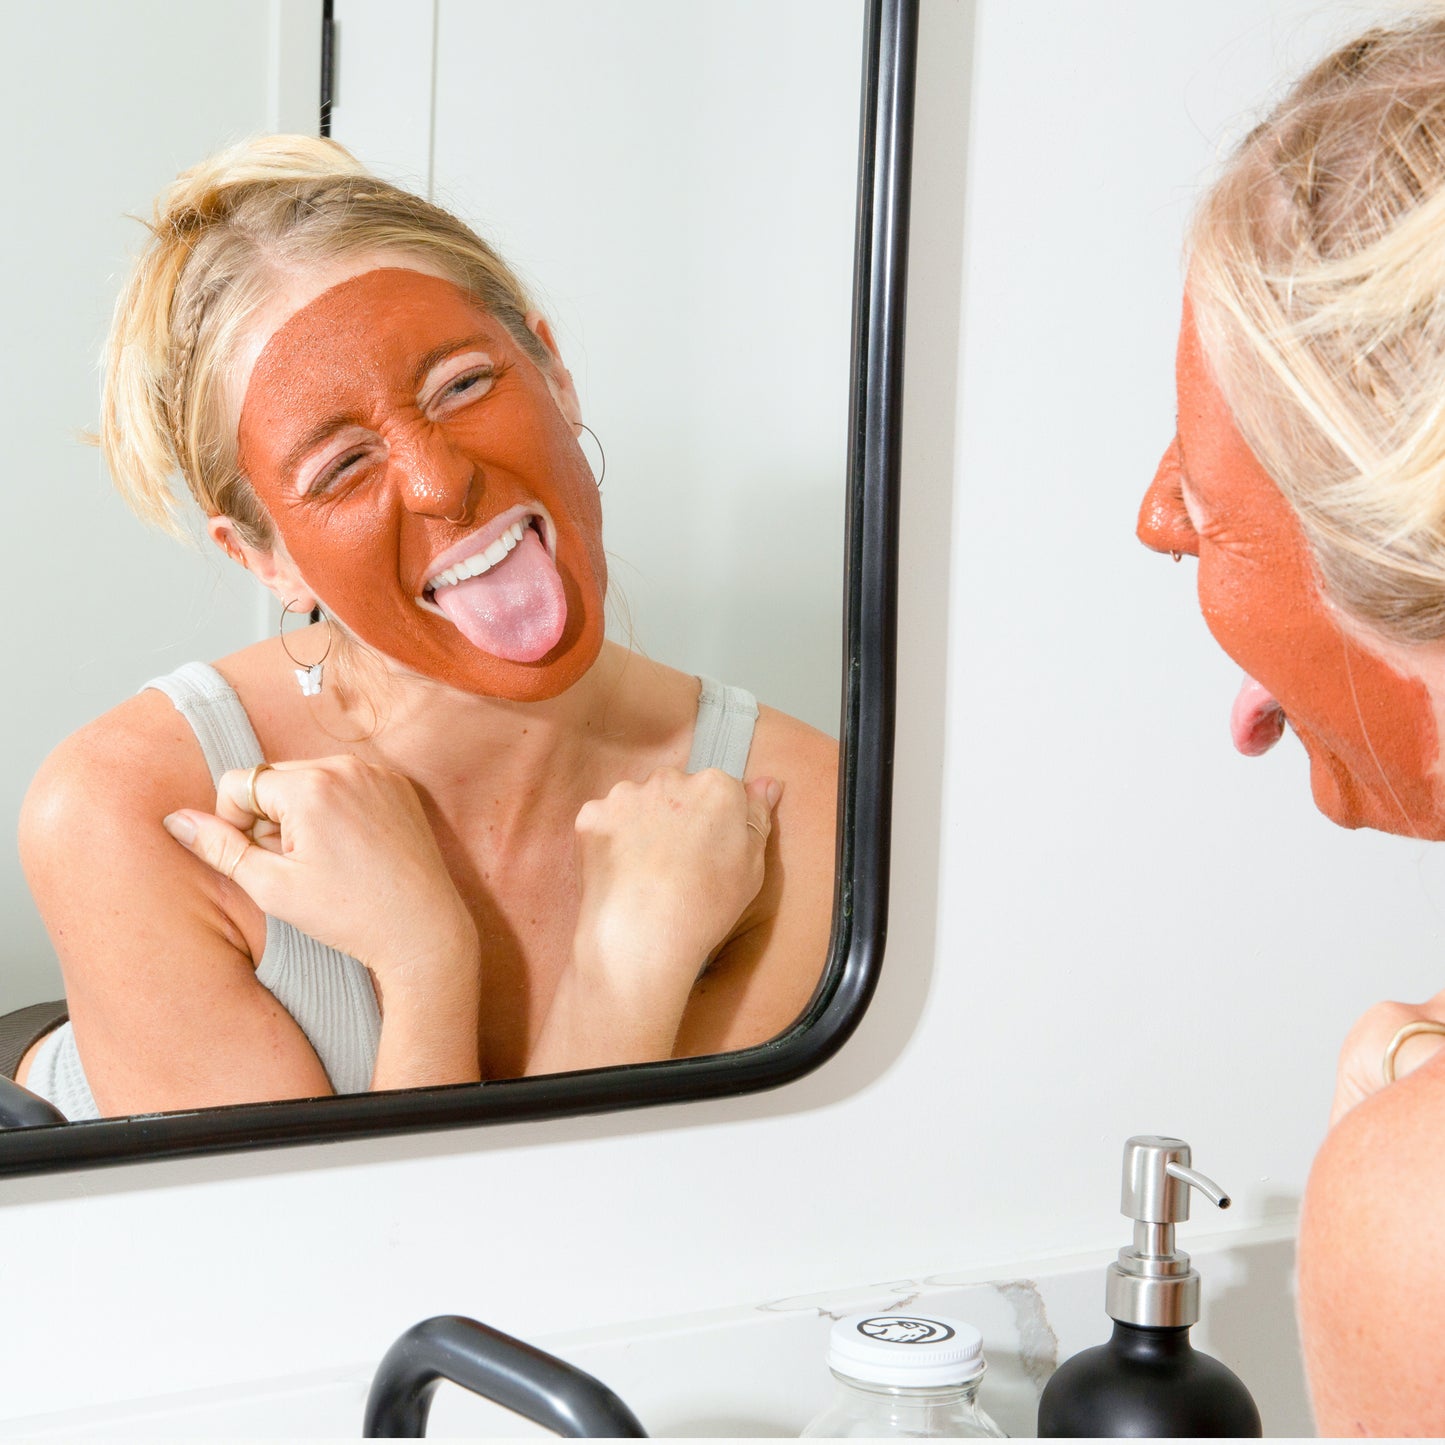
[{"x": 1103, "y": 922}]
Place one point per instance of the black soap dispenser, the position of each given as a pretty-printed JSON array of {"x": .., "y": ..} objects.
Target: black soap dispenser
[{"x": 1148, "y": 1379}]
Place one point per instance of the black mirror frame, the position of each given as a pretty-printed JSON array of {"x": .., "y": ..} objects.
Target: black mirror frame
[{"x": 865, "y": 775}]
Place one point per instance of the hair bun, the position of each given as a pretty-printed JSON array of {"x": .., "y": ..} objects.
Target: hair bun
[{"x": 207, "y": 193}]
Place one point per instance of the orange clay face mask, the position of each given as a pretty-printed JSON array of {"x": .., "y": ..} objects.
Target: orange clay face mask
[
  {"x": 1367, "y": 725},
  {"x": 427, "y": 485}
]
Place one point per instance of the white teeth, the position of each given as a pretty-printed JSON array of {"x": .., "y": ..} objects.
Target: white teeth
[{"x": 482, "y": 561}]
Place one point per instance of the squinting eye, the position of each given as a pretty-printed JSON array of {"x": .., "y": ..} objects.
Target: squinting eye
[
  {"x": 330, "y": 476},
  {"x": 463, "y": 389},
  {"x": 471, "y": 382},
  {"x": 469, "y": 386}
]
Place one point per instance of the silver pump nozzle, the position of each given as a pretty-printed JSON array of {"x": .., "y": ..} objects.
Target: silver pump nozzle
[{"x": 1153, "y": 1284}]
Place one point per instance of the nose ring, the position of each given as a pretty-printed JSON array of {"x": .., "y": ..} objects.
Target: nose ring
[{"x": 466, "y": 503}]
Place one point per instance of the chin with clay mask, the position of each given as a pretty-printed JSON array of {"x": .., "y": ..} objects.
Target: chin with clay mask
[{"x": 424, "y": 478}]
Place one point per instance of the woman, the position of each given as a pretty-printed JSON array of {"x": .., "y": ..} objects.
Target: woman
[
  {"x": 1308, "y": 478},
  {"x": 450, "y": 832}
]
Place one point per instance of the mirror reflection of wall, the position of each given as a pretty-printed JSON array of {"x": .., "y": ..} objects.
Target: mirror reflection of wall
[
  {"x": 678, "y": 184},
  {"x": 106, "y": 103}
]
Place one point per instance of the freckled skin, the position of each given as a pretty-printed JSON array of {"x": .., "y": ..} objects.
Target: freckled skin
[
  {"x": 352, "y": 354},
  {"x": 1372, "y": 1266},
  {"x": 1368, "y": 727}
]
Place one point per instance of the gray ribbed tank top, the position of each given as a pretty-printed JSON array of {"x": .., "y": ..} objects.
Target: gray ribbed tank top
[{"x": 327, "y": 992}]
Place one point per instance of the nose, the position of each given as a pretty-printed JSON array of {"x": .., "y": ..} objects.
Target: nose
[
  {"x": 434, "y": 478},
  {"x": 1164, "y": 524}
]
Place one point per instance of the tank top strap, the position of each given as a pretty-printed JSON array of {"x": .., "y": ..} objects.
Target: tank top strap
[
  {"x": 726, "y": 718},
  {"x": 209, "y": 703},
  {"x": 327, "y": 992}
]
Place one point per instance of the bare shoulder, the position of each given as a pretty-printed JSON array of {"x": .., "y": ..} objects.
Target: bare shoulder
[
  {"x": 92, "y": 817},
  {"x": 762, "y": 979},
  {"x": 656, "y": 707},
  {"x": 805, "y": 761},
  {"x": 1372, "y": 1264},
  {"x": 783, "y": 745},
  {"x": 134, "y": 759}
]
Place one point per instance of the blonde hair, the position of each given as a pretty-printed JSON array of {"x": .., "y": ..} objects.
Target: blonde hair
[
  {"x": 224, "y": 236},
  {"x": 1317, "y": 277}
]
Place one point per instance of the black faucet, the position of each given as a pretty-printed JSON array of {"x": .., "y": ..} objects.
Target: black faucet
[
  {"x": 539, "y": 1386},
  {"x": 20, "y": 1109}
]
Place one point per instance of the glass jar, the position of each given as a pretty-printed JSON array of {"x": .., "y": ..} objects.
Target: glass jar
[{"x": 905, "y": 1377}]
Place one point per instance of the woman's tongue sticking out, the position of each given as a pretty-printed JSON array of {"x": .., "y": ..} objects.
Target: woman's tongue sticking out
[
  {"x": 1256, "y": 721},
  {"x": 516, "y": 609}
]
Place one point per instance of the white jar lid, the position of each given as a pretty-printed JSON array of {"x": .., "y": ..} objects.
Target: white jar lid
[{"x": 920, "y": 1351}]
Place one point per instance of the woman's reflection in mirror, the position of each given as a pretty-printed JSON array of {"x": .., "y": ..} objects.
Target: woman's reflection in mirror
[
  {"x": 1308, "y": 478},
  {"x": 486, "y": 841}
]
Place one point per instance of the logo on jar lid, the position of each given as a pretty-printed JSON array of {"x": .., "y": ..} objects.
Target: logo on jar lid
[{"x": 904, "y": 1330}]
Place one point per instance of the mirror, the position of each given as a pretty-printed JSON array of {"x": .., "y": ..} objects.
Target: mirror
[{"x": 723, "y": 262}]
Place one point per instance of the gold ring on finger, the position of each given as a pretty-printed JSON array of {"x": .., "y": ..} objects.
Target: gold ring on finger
[
  {"x": 236, "y": 863},
  {"x": 757, "y": 828},
  {"x": 256, "y": 810},
  {"x": 1408, "y": 1031}
]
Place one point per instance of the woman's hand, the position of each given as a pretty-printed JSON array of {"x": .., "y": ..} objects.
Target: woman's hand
[
  {"x": 342, "y": 850},
  {"x": 1360, "y": 1071},
  {"x": 666, "y": 868}
]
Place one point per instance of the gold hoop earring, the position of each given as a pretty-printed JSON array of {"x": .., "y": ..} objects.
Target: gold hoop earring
[
  {"x": 601, "y": 451},
  {"x": 1419, "y": 1026},
  {"x": 308, "y": 675}
]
